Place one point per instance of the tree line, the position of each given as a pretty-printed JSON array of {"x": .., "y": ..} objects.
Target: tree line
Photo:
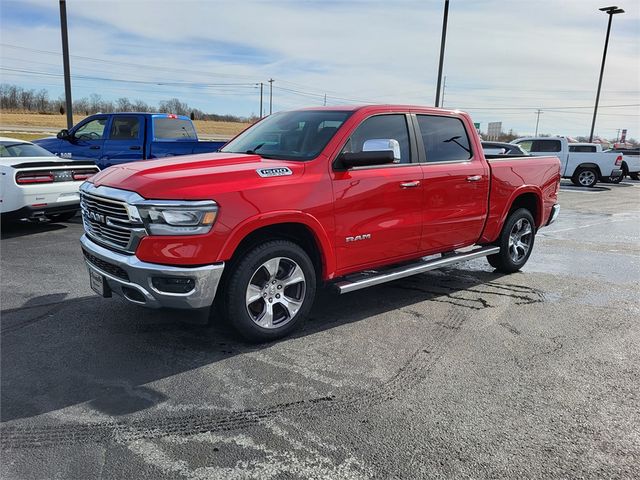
[{"x": 13, "y": 97}]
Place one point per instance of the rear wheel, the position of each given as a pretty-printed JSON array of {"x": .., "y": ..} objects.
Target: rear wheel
[
  {"x": 61, "y": 217},
  {"x": 585, "y": 177},
  {"x": 515, "y": 242},
  {"x": 270, "y": 291}
]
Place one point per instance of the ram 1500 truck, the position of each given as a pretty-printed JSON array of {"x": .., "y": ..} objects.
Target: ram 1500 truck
[
  {"x": 350, "y": 196},
  {"x": 582, "y": 166},
  {"x": 115, "y": 138}
]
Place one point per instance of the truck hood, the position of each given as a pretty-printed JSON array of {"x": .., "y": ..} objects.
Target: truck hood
[{"x": 196, "y": 177}]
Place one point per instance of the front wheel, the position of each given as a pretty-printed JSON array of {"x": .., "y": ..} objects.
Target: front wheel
[
  {"x": 270, "y": 291},
  {"x": 515, "y": 242},
  {"x": 585, "y": 177}
]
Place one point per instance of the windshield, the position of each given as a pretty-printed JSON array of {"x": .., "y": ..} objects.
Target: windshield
[
  {"x": 13, "y": 149},
  {"x": 298, "y": 135}
]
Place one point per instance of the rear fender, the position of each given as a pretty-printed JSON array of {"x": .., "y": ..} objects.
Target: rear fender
[{"x": 252, "y": 224}]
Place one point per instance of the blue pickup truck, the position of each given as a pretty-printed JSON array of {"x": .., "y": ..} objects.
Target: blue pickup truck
[{"x": 114, "y": 138}]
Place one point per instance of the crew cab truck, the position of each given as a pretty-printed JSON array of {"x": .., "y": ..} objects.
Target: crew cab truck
[
  {"x": 115, "y": 138},
  {"x": 350, "y": 196},
  {"x": 577, "y": 162}
]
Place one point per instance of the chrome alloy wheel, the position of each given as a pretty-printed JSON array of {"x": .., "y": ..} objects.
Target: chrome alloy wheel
[
  {"x": 275, "y": 292},
  {"x": 520, "y": 240},
  {"x": 586, "y": 178}
]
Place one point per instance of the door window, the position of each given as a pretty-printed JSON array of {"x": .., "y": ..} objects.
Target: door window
[
  {"x": 125, "y": 128},
  {"x": 546, "y": 146},
  {"x": 445, "y": 139},
  {"x": 393, "y": 127},
  {"x": 93, "y": 130}
]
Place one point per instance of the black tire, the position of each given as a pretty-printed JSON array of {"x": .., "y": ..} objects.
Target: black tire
[
  {"x": 634, "y": 175},
  {"x": 505, "y": 261},
  {"x": 585, "y": 177},
  {"x": 244, "y": 315},
  {"x": 61, "y": 217},
  {"x": 616, "y": 180}
]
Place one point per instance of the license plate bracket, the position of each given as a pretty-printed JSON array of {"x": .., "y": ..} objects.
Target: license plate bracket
[{"x": 99, "y": 284}]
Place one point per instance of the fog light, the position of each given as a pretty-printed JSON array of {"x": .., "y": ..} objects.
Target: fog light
[{"x": 173, "y": 284}]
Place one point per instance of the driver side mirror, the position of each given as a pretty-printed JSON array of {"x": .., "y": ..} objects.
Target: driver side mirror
[
  {"x": 376, "y": 151},
  {"x": 63, "y": 134}
]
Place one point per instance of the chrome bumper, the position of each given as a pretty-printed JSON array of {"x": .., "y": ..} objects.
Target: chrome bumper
[
  {"x": 140, "y": 275},
  {"x": 555, "y": 211}
]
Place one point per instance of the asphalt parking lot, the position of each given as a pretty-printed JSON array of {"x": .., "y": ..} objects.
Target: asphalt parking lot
[{"x": 456, "y": 373}]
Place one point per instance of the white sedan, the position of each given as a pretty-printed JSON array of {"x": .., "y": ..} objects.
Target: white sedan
[{"x": 34, "y": 183}]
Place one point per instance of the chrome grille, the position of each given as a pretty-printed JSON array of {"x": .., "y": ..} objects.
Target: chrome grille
[{"x": 107, "y": 221}]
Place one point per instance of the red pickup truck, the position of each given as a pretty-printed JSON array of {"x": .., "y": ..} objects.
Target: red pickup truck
[{"x": 349, "y": 196}]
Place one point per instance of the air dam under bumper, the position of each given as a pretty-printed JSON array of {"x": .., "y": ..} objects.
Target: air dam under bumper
[{"x": 132, "y": 278}]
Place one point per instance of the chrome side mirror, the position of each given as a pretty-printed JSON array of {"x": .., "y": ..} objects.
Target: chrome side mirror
[{"x": 383, "y": 145}]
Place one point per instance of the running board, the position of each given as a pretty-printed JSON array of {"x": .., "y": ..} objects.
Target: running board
[{"x": 421, "y": 266}]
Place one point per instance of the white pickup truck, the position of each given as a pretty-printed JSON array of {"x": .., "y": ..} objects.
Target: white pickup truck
[{"x": 584, "y": 168}]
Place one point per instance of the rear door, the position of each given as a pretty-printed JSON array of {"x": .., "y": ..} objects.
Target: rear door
[
  {"x": 456, "y": 184},
  {"x": 378, "y": 209},
  {"x": 125, "y": 142}
]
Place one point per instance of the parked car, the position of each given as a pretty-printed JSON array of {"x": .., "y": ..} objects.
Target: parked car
[
  {"x": 349, "y": 196},
  {"x": 115, "y": 138},
  {"x": 500, "y": 148},
  {"x": 583, "y": 168},
  {"x": 630, "y": 161},
  {"x": 34, "y": 183}
]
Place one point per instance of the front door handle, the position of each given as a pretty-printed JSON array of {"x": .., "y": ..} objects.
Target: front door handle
[
  {"x": 474, "y": 178},
  {"x": 94, "y": 147},
  {"x": 410, "y": 184},
  {"x": 135, "y": 147}
]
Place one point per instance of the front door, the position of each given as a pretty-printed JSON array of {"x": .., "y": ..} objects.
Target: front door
[
  {"x": 87, "y": 139},
  {"x": 456, "y": 185},
  {"x": 378, "y": 209}
]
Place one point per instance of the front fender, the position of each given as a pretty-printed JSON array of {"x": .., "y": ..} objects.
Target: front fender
[{"x": 241, "y": 231}]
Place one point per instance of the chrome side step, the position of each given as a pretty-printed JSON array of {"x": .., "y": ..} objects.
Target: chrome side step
[{"x": 421, "y": 266}]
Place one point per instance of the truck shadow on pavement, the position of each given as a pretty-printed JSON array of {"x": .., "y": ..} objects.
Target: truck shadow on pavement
[{"x": 104, "y": 352}]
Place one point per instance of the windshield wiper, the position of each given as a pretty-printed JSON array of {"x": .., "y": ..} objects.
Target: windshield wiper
[{"x": 253, "y": 151}]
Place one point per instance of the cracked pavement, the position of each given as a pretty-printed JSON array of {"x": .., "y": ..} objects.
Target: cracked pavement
[{"x": 456, "y": 373}]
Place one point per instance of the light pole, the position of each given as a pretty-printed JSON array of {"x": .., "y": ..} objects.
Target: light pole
[
  {"x": 611, "y": 11},
  {"x": 271, "y": 80},
  {"x": 538, "y": 112},
  {"x": 65, "y": 63},
  {"x": 442, "y": 41}
]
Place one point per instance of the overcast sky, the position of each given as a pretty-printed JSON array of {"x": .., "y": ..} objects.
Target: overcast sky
[{"x": 504, "y": 59}]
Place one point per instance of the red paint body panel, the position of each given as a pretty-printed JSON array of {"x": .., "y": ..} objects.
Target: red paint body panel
[{"x": 445, "y": 212}]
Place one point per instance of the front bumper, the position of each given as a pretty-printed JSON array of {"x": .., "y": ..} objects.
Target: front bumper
[
  {"x": 555, "y": 212},
  {"x": 132, "y": 278}
]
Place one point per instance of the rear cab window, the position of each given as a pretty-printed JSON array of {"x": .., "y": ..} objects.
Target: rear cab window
[
  {"x": 172, "y": 128},
  {"x": 444, "y": 138}
]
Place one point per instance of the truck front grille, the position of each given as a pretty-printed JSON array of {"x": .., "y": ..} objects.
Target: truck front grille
[{"x": 107, "y": 222}]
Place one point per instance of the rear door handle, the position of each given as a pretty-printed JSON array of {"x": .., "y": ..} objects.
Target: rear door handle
[
  {"x": 474, "y": 178},
  {"x": 135, "y": 147},
  {"x": 410, "y": 184},
  {"x": 94, "y": 147}
]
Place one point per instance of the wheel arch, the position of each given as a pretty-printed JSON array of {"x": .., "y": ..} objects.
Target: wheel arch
[
  {"x": 589, "y": 165},
  {"x": 298, "y": 227},
  {"x": 529, "y": 198}
]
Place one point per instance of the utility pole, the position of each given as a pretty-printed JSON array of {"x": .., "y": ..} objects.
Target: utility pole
[
  {"x": 261, "y": 87},
  {"x": 65, "y": 63},
  {"x": 611, "y": 11},
  {"x": 325, "y": 100},
  {"x": 442, "y": 41},
  {"x": 271, "y": 96},
  {"x": 444, "y": 87},
  {"x": 617, "y": 135},
  {"x": 538, "y": 112}
]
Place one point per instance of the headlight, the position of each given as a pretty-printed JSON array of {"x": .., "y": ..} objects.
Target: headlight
[{"x": 177, "y": 218}]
